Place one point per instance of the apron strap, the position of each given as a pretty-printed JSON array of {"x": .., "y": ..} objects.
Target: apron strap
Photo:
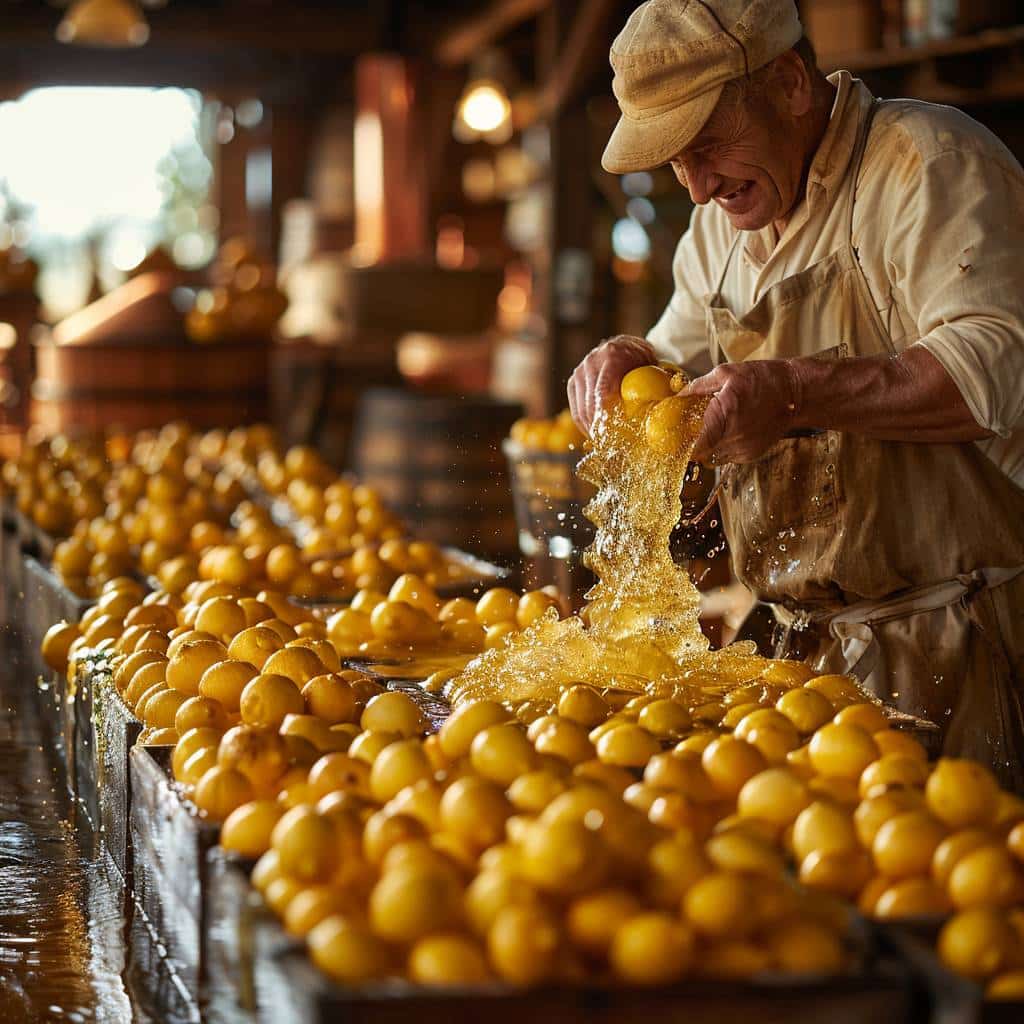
[{"x": 855, "y": 162}]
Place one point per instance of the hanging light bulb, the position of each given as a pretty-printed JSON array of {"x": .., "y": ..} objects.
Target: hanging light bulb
[
  {"x": 112, "y": 23},
  {"x": 484, "y": 110}
]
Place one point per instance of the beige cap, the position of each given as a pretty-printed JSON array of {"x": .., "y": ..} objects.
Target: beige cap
[{"x": 672, "y": 60}]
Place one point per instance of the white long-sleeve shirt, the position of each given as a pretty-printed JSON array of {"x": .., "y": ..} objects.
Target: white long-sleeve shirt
[{"x": 938, "y": 225}]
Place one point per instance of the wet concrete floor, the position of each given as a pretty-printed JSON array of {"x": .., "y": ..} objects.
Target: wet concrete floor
[{"x": 61, "y": 912}]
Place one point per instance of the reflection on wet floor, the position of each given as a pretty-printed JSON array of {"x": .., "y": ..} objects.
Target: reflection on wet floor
[{"x": 61, "y": 926}]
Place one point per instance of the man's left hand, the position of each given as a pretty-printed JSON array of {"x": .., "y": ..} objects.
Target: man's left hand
[{"x": 752, "y": 406}]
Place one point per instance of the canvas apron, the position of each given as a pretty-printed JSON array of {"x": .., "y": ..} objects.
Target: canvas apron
[{"x": 901, "y": 563}]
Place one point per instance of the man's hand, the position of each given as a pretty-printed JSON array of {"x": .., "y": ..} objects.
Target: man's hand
[
  {"x": 752, "y": 406},
  {"x": 599, "y": 375}
]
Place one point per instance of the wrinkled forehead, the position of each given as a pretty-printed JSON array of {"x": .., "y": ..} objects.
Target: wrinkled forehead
[{"x": 733, "y": 114}]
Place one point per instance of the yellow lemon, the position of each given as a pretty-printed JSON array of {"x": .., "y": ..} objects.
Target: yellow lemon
[
  {"x": 842, "y": 750},
  {"x": 248, "y": 828},
  {"x": 977, "y": 943},
  {"x": 651, "y": 948},
  {"x": 448, "y": 959},
  {"x": 905, "y": 845},
  {"x": 347, "y": 951},
  {"x": 962, "y": 793}
]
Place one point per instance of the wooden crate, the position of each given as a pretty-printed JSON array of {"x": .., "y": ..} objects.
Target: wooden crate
[{"x": 169, "y": 869}]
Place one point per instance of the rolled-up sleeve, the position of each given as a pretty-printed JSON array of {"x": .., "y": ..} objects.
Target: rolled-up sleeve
[
  {"x": 680, "y": 334},
  {"x": 955, "y": 250}
]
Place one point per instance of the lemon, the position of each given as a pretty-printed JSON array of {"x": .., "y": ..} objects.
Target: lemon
[
  {"x": 367, "y": 745},
  {"x": 721, "y": 904},
  {"x": 665, "y": 719},
  {"x": 491, "y": 891},
  {"x": 1007, "y": 987},
  {"x": 977, "y": 943},
  {"x": 733, "y": 959},
  {"x": 871, "y": 814},
  {"x": 339, "y": 772},
  {"x": 806, "y": 709},
  {"x": 583, "y": 704},
  {"x": 306, "y": 845},
  {"x": 905, "y": 845},
  {"x": 953, "y": 848},
  {"x": 331, "y": 698},
  {"x": 892, "y": 770},
  {"x": 497, "y": 605},
  {"x": 398, "y": 765},
  {"x": 523, "y": 944},
  {"x": 911, "y": 897},
  {"x": 729, "y": 762},
  {"x": 683, "y": 773},
  {"x": 645, "y": 384},
  {"x": 314, "y": 904},
  {"x": 824, "y": 827},
  {"x": 195, "y": 739},
  {"x": 842, "y": 873},
  {"x": 225, "y": 681},
  {"x": 222, "y": 617},
  {"x": 501, "y": 753},
  {"x": 475, "y": 810},
  {"x": 422, "y": 801},
  {"x": 347, "y": 951},
  {"x": 804, "y": 946},
  {"x": 842, "y": 750},
  {"x": 258, "y": 753},
  {"x": 190, "y": 661},
  {"x": 199, "y": 713},
  {"x": 299, "y": 664},
  {"x": 869, "y": 717},
  {"x": 413, "y": 901},
  {"x": 840, "y": 690},
  {"x": 669, "y": 421},
  {"x": 532, "y": 605},
  {"x": 196, "y": 766},
  {"x": 742, "y": 853},
  {"x": 962, "y": 793},
  {"x": 770, "y": 731},
  {"x": 266, "y": 870},
  {"x": 627, "y": 745},
  {"x": 563, "y": 857},
  {"x": 465, "y": 722},
  {"x": 56, "y": 643},
  {"x": 255, "y": 645},
  {"x": 775, "y": 795},
  {"x": 532, "y": 792},
  {"x": 985, "y": 877},
  {"x": 651, "y": 949},
  {"x": 161, "y": 709},
  {"x": 220, "y": 791},
  {"x": 248, "y": 828},
  {"x": 592, "y": 921},
  {"x": 393, "y": 712},
  {"x": 892, "y": 741},
  {"x": 448, "y": 959},
  {"x": 268, "y": 699}
]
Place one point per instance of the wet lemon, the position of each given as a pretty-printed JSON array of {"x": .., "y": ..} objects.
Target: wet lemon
[
  {"x": 299, "y": 664},
  {"x": 348, "y": 951},
  {"x": 905, "y": 845},
  {"x": 977, "y": 943},
  {"x": 190, "y": 742},
  {"x": 842, "y": 873},
  {"x": 651, "y": 949},
  {"x": 532, "y": 792},
  {"x": 501, "y": 753},
  {"x": 803, "y": 946},
  {"x": 985, "y": 877},
  {"x": 267, "y": 699},
  {"x": 348, "y": 629},
  {"x": 255, "y": 645},
  {"x": 720, "y": 904},
  {"x": 563, "y": 857},
  {"x": 126, "y": 670},
  {"x": 367, "y": 745},
  {"x": 730, "y": 762},
  {"x": 222, "y": 617},
  {"x": 645, "y": 384},
  {"x": 248, "y": 828},
  {"x": 770, "y": 731},
  {"x": 492, "y": 890},
  {"x": 842, "y": 750},
  {"x": 962, "y": 793},
  {"x": 497, "y": 605},
  {"x": 330, "y": 698},
  {"x": 614, "y": 779},
  {"x": 196, "y": 765},
  {"x": 532, "y": 605},
  {"x": 475, "y": 810},
  {"x": 668, "y": 421},
  {"x": 396, "y": 622},
  {"x": 314, "y": 904},
  {"x": 162, "y": 708},
  {"x": 583, "y": 704},
  {"x": 840, "y": 690},
  {"x": 266, "y": 870},
  {"x": 523, "y": 944},
  {"x": 398, "y": 765},
  {"x": 911, "y": 897},
  {"x": 56, "y": 643},
  {"x": 566, "y": 740},
  {"x": 775, "y": 796},
  {"x": 892, "y": 741},
  {"x": 448, "y": 959},
  {"x": 220, "y": 791},
  {"x": 225, "y": 681},
  {"x": 190, "y": 661},
  {"x": 741, "y": 853},
  {"x": 682, "y": 773},
  {"x": 892, "y": 770},
  {"x": 393, "y": 712},
  {"x": 665, "y": 719},
  {"x": 806, "y": 709},
  {"x": 869, "y": 717},
  {"x": 414, "y": 901}
]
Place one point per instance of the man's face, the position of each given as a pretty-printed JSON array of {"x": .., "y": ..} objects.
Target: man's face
[{"x": 747, "y": 159}]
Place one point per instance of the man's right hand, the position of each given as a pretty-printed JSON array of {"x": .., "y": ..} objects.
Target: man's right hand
[{"x": 599, "y": 375}]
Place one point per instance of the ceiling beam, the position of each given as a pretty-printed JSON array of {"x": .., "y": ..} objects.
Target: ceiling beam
[{"x": 460, "y": 43}]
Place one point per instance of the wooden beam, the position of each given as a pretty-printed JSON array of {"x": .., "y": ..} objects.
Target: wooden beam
[
  {"x": 585, "y": 47},
  {"x": 460, "y": 44}
]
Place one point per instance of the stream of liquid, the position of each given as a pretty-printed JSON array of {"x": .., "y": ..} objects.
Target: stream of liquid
[{"x": 641, "y": 621}]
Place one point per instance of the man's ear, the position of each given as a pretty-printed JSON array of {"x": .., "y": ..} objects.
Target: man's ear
[{"x": 794, "y": 83}]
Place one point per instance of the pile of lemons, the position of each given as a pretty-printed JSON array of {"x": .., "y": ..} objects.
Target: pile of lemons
[
  {"x": 559, "y": 434},
  {"x": 653, "y": 393}
]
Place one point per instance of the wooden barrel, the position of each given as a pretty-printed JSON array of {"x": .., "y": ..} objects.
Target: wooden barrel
[
  {"x": 437, "y": 461},
  {"x": 137, "y": 386}
]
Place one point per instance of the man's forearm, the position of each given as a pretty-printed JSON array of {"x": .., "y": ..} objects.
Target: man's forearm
[{"x": 907, "y": 398}]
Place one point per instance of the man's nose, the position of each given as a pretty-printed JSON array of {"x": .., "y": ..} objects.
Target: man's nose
[{"x": 697, "y": 178}]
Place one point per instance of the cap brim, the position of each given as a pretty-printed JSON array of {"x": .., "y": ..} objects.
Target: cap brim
[{"x": 643, "y": 145}]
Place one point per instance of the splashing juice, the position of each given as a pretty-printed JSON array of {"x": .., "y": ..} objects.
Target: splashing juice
[{"x": 640, "y": 625}]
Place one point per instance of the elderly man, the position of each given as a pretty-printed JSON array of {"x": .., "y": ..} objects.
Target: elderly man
[{"x": 855, "y": 271}]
